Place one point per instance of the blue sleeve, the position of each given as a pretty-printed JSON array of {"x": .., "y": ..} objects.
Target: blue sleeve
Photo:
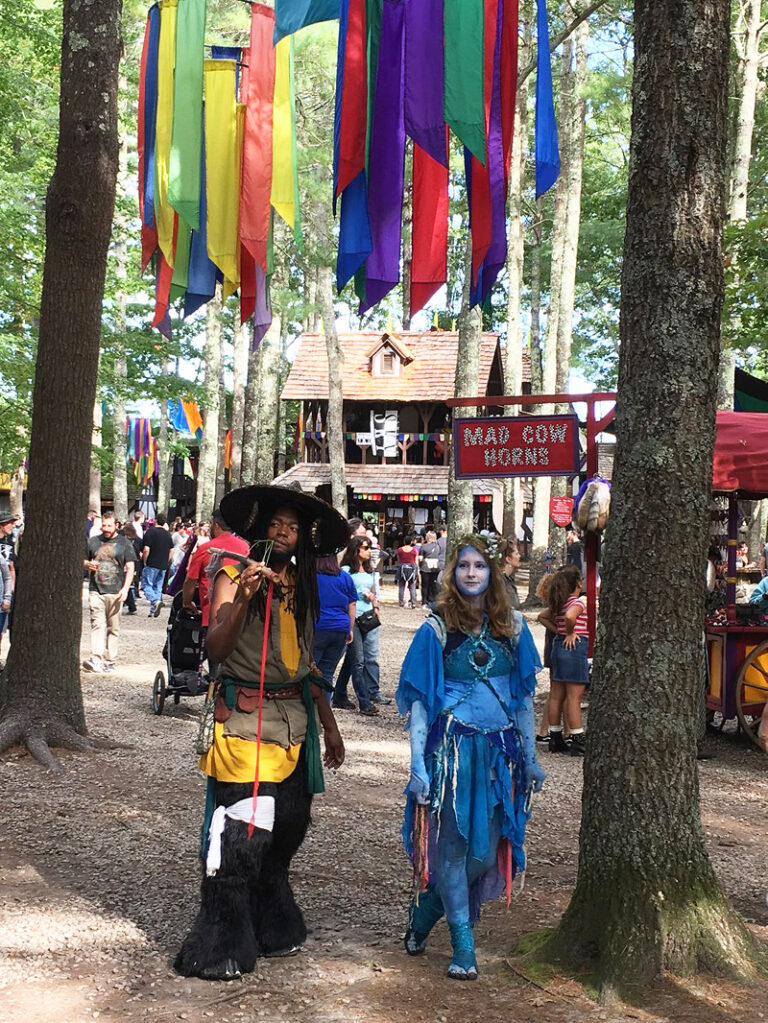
[
  {"x": 528, "y": 662},
  {"x": 350, "y": 590},
  {"x": 421, "y": 677}
]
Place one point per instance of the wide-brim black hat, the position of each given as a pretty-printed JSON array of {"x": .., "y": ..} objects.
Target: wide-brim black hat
[{"x": 326, "y": 529}]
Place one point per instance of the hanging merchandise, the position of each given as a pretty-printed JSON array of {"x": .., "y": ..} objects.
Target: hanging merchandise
[
  {"x": 396, "y": 77},
  {"x": 217, "y": 155}
]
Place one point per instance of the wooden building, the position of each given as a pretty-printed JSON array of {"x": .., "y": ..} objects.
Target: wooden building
[{"x": 396, "y": 421}]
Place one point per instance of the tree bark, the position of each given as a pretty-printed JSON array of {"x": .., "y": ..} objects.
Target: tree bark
[
  {"x": 268, "y": 397},
  {"x": 513, "y": 355},
  {"x": 749, "y": 53},
  {"x": 461, "y": 492},
  {"x": 16, "y": 494},
  {"x": 206, "y": 469},
  {"x": 94, "y": 472},
  {"x": 535, "y": 336},
  {"x": 221, "y": 451},
  {"x": 40, "y": 697},
  {"x": 251, "y": 418},
  {"x": 120, "y": 383},
  {"x": 239, "y": 375},
  {"x": 646, "y": 897},
  {"x": 335, "y": 422},
  {"x": 164, "y": 465}
]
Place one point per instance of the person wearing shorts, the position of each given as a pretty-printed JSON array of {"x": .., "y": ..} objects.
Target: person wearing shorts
[{"x": 569, "y": 671}]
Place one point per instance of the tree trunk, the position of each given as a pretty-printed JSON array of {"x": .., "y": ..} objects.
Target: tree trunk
[
  {"x": 40, "y": 697},
  {"x": 335, "y": 422},
  {"x": 16, "y": 494},
  {"x": 206, "y": 469},
  {"x": 94, "y": 473},
  {"x": 749, "y": 53},
  {"x": 513, "y": 356},
  {"x": 164, "y": 464},
  {"x": 251, "y": 418},
  {"x": 461, "y": 492},
  {"x": 120, "y": 383},
  {"x": 239, "y": 377},
  {"x": 221, "y": 453},
  {"x": 268, "y": 392},
  {"x": 646, "y": 897},
  {"x": 535, "y": 337}
]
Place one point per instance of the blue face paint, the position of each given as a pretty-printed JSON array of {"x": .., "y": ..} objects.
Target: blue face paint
[{"x": 472, "y": 574}]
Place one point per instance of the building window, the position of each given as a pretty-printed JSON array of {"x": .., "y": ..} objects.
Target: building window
[{"x": 388, "y": 364}]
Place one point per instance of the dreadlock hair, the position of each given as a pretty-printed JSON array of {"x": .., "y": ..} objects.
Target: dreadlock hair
[
  {"x": 351, "y": 557},
  {"x": 564, "y": 582},
  {"x": 454, "y": 608},
  {"x": 306, "y": 600}
]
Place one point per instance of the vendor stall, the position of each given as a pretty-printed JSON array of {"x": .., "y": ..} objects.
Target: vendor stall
[{"x": 737, "y": 636}]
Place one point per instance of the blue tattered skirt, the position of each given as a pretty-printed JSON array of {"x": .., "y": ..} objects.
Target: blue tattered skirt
[{"x": 477, "y": 775}]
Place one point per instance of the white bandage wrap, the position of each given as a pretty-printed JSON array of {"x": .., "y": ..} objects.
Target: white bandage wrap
[{"x": 263, "y": 818}]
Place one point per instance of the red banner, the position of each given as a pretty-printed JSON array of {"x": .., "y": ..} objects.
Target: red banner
[
  {"x": 508, "y": 446},
  {"x": 561, "y": 510}
]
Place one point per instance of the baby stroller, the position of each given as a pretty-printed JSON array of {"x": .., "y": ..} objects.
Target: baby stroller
[{"x": 184, "y": 652}]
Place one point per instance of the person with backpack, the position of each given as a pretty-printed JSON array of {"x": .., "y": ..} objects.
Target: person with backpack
[{"x": 467, "y": 686}]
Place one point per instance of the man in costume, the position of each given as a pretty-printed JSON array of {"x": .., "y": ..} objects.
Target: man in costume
[
  {"x": 264, "y": 764},
  {"x": 467, "y": 685}
]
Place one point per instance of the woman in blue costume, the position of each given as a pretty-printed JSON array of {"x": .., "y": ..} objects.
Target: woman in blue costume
[{"x": 467, "y": 685}]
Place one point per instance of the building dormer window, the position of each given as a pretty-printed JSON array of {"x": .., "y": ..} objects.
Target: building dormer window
[
  {"x": 385, "y": 363},
  {"x": 388, "y": 364}
]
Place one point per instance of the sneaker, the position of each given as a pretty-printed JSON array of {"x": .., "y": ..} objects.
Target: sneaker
[
  {"x": 109, "y": 666},
  {"x": 93, "y": 664},
  {"x": 557, "y": 743},
  {"x": 158, "y": 608},
  {"x": 542, "y": 740},
  {"x": 383, "y": 701},
  {"x": 152, "y": 611},
  {"x": 370, "y": 711}
]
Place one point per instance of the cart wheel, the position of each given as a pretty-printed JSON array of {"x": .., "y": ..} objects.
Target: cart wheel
[
  {"x": 752, "y": 693},
  {"x": 158, "y": 693}
]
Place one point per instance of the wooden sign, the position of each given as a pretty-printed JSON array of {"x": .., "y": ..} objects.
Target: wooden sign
[{"x": 506, "y": 446}]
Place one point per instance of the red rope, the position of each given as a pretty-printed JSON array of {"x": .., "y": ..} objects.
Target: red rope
[{"x": 267, "y": 616}]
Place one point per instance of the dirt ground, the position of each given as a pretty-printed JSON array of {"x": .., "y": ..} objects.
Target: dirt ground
[{"x": 99, "y": 877}]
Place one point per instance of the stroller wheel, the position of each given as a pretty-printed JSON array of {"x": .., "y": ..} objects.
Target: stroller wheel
[
  {"x": 177, "y": 698},
  {"x": 158, "y": 693}
]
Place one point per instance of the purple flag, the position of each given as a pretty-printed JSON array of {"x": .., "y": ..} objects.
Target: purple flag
[
  {"x": 386, "y": 160},
  {"x": 424, "y": 77},
  {"x": 262, "y": 317}
]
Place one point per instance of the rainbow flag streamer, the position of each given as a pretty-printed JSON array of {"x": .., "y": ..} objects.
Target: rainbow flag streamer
[
  {"x": 142, "y": 449},
  {"x": 185, "y": 417},
  {"x": 396, "y": 77},
  {"x": 217, "y": 155}
]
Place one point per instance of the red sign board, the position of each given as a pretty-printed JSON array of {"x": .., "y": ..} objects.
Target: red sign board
[
  {"x": 506, "y": 446},
  {"x": 561, "y": 510}
]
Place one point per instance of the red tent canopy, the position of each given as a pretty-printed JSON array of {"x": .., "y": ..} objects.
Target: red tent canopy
[{"x": 741, "y": 453}]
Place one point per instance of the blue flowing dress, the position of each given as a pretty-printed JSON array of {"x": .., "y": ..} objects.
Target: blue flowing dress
[{"x": 473, "y": 688}]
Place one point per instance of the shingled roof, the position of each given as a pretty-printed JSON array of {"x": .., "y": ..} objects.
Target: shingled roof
[
  {"x": 429, "y": 376},
  {"x": 391, "y": 480}
]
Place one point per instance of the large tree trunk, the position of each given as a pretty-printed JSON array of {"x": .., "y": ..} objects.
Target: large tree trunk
[
  {"x": 206, "y": 470},
  {"x": 221, "y": 454},
  {"x": 513, "y": 356},
  {"x": 239, "y": 376},
  {"x": 335, "y": 422},
  {"x": 461, "y": 492},
  {"x": 40, "y": 697},
  {"x": 164, "y": 462},
  {"x": 646, "y": 898},
  {"x": 268, "y": 397}
]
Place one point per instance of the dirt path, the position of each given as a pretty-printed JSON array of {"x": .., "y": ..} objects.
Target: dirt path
[{"x": 99, "y": 877}]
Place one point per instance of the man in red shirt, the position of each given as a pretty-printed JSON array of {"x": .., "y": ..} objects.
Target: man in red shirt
[{"x": 222, "y": 538}]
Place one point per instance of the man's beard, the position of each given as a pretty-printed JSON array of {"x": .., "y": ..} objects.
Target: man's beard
[{"x": 279, "y": 558}]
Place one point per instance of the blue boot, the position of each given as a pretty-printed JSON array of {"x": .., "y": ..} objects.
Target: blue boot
[
  {"x": 421, "y": 919},
  {"x": 463, "y": 965}
]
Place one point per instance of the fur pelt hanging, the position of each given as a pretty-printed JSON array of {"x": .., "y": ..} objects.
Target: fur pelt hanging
[{"x": 594, "y": 505}]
